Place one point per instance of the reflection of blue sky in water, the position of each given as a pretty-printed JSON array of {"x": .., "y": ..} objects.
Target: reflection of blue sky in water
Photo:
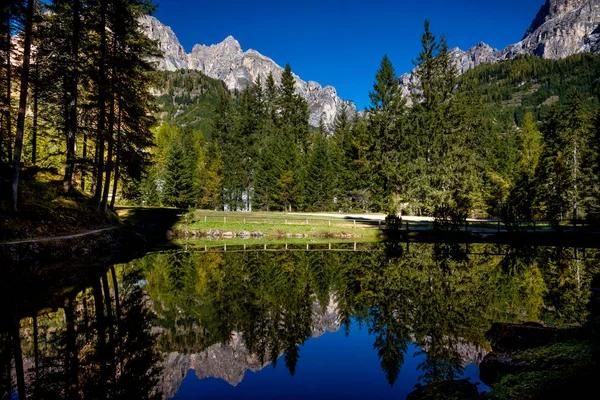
[{"x": 331, "y": 366}]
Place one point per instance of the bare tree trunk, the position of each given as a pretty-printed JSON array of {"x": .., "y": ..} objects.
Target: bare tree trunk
[
  {"x": 73, "y": 97},
  {"x": 8, "y": 90},
  {"x": 36, "y": 95},
  {"x": 109, "y": 157},
  {"x": 95, "y": 169},
  {"x": 101, "y": 103},
  {"x": 22, "y": 105},
  {"x": 111, "y": 129},
  {"x": 83, "y": 157},
  {"x": 117, "y": 162}
]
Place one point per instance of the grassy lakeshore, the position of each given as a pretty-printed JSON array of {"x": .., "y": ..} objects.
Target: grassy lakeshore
[{"x": 277, "y": 225}]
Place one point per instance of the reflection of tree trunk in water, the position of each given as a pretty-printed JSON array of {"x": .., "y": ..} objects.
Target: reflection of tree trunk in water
[
  {"x": 101, "y": 348},
  {"x": 36, "y": 355},
  {"x": 110, "y": 348},
  {"x": 117, "y": 308},
  {"x": 18, "y": 355},
  {"x": 116, "y": 287},
  {"x": 71, "y": 356}
]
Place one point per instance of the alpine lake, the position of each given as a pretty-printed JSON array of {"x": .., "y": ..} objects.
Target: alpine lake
[{"x": 280, "y": 320}]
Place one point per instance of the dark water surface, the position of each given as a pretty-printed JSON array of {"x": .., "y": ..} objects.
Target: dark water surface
[{"x": 336, "y": 320}]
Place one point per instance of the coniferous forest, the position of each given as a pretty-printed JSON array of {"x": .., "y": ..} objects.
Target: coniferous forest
[
  {"x": 516, "y": 140},
  {"x": 82, "y": 101},
  {"x": 77, "y": 111}
]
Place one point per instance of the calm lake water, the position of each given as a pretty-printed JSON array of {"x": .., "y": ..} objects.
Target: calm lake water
[{"x": 297, "y": 321}]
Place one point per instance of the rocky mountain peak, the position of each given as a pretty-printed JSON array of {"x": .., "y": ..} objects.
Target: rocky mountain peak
[
  {"x": 174, "y": 56},
  {"x": 228, "y": 62},
  {"x": 560, "y": 29},
  {"x": 552, "y": 9}
]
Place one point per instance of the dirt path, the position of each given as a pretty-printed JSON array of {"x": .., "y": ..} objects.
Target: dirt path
[{"x": 46, "y": 239}]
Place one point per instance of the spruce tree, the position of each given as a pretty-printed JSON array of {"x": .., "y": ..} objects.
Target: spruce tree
[
  {"x": 319, "y": 175},
  {"x": 386, "y": 134}
]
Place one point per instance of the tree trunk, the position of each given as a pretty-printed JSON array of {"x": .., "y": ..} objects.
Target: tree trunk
[
  {"x": 73, "y": 97},
  {"x": 109, "y": 157},
  {"x": 36, "y": 95},
  {"x": 101, "y": 104},
  {"x": 8, "y": 90},
  {"x": 111, "y": 128},
  {"x": 22, "y": 106},
  {"x": 117, "y": 162},
  {"x": 83, "y": 157}
]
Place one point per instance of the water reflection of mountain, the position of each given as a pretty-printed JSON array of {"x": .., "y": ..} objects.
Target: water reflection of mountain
[
  {"x": 223, "y": 314},
  {"x": 231, "y": 360},
  {"x": 440, "y": 297}
]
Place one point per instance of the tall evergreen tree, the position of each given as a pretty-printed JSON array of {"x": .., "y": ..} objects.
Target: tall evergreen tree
[
  {"x": 386, "y": 135},
  {"x": 319, "y": 175}
]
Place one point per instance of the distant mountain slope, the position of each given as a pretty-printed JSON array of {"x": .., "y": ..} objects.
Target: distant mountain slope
[
  {"x": 226, "y": 61},
  {"x": 506, "y": 91},
  {"x": 560, "y": 29},
  {"x": 188, "y": 98}
]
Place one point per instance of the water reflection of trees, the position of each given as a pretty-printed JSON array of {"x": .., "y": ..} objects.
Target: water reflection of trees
[
  {"x": 95, "y": 345},
  {"x": 96, "y": 342},
  {"x": 441, "y": 297}
]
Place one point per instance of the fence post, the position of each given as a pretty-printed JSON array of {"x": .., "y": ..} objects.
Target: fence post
[
  {"x": 329, "y": 222},
  {"x": 306, "y": 221},
  {"x": 244, "y": 219},
  {"x": 205, "y": 219},
  {"x": 354, "y": 223}
]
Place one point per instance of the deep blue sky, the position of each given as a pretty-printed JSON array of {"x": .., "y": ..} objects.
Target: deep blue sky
[{"x": 341, "y": 43}]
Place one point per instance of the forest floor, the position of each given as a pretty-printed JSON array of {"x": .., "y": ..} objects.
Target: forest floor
[{"x": 46, "y": 212}]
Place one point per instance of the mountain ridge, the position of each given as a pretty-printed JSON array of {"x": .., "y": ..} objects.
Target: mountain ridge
[
  {"x": 237, "y": 68},
  {"x": 560, "y": 28}
]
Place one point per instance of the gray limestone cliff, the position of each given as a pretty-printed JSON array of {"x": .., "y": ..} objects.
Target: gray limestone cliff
[
  {"x": 237, "y": 68},
  {"x": 560, "y": 29}
]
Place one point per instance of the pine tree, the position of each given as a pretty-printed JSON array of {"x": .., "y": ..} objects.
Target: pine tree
[
  {"x": 319, "y": 175},
  {"x": 180, "y": 185},
  {"x": 386, "y": 135},
  {"x": 28, "y": 28}
]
